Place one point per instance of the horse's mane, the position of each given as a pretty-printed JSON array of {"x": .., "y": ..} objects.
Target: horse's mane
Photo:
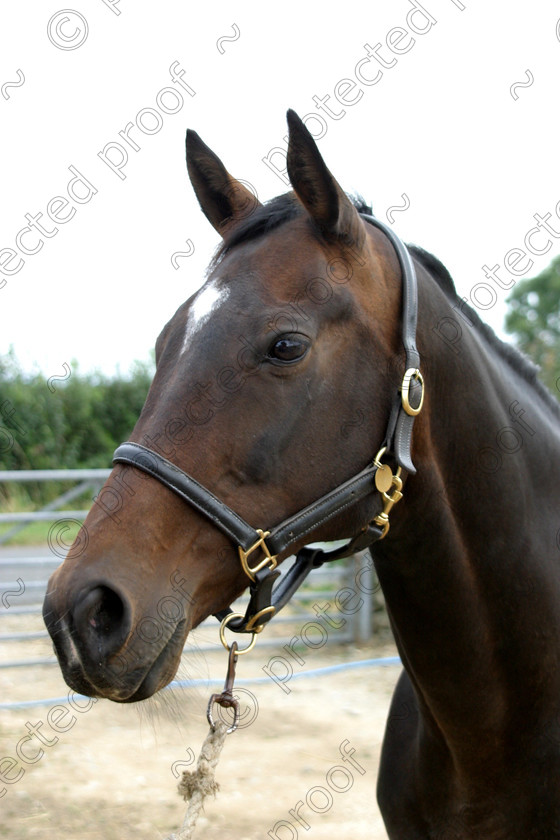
[{"x": 285, "y": 207}]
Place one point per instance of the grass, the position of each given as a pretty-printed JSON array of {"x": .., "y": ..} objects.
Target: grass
[
  {"x": 37, "y": 533},
  {"x": 61, "y": 530},
  {"x": 23, "y": 499}
]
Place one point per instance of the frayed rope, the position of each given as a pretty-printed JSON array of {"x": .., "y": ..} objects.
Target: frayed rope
[{"x": 196, "y": 785}]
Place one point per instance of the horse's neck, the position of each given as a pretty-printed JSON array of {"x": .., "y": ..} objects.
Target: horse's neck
[{"x": 471, "y": 567}]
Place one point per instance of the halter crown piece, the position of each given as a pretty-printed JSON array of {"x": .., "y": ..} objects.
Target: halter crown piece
[{"x": 266, "y": 599}]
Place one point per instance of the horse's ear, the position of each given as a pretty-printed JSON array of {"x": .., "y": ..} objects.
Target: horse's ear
[
  {"x": 316, "y": 188},
  {"x": 223, "y": 199}
]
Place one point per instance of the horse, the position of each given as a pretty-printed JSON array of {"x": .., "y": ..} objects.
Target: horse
[{"x": 328, "y": 383}]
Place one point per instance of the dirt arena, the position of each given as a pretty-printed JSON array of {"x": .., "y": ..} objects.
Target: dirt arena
[{"x": 113, "y": 771}]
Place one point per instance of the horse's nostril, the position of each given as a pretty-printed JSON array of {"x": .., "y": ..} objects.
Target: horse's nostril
[
  {"x": 104, "y": 609},
  {"x": 101, "y": 620}
]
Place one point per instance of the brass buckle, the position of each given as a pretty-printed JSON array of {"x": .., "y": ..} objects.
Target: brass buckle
[
  {"x": 269, "y": 558},
  {"x": 410, "y": 374},
  {"x": 386, "y": 482}
]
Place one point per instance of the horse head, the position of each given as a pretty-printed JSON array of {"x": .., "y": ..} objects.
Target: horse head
[{"x": 273, "y": 385}]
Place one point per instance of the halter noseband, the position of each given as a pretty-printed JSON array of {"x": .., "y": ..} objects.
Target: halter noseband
[{"x": 265, "y": 601}]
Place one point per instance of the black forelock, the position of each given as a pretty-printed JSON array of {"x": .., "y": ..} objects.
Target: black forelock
[{"x": 266, "y": 217}]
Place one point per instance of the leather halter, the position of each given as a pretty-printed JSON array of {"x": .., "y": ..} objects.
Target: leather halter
[{"x": 265, "y": 601}]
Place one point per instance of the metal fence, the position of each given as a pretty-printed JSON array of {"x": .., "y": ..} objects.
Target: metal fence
[
  {"x": 24, "y": 572},
  {"x": 86, "y": 480}
]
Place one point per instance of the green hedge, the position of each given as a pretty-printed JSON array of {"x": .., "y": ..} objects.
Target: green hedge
[{"x": 77, "y": 425}]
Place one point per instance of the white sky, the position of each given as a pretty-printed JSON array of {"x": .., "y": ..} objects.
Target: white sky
[{"x": 441, "y": 126}]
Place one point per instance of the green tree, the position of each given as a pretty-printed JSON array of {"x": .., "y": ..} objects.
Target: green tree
[{"x": 534, "y": 322}]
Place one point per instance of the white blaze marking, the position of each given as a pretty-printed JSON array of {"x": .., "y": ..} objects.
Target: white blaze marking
[{"x": 207, "y": 301}]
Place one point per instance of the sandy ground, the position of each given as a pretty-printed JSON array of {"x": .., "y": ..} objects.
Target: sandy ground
[{"x": 113, "y": 773}]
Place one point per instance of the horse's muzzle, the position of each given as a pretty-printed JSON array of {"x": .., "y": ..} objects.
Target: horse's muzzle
[{"x": 101, "y": 653}]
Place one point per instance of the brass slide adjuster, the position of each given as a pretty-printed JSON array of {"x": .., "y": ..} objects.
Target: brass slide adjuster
[{"x": 251, "y": 571}]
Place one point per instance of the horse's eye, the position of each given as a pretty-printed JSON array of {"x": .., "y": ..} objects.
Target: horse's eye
[{"x": 288, "y": 349}]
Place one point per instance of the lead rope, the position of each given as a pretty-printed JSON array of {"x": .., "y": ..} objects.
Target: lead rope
[{"x": 196, "y": 785}]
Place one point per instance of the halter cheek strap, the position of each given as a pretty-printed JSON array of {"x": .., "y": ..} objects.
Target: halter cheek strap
[
  {"x": 265, "y": 598},
  {"x": 399, "y": 431}
]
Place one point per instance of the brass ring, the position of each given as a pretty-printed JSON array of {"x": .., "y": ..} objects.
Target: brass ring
[
  {"x": 411, "y": 373},
  {"x": 379, "y": 456},
  {"x": 223, "y": 626}
]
